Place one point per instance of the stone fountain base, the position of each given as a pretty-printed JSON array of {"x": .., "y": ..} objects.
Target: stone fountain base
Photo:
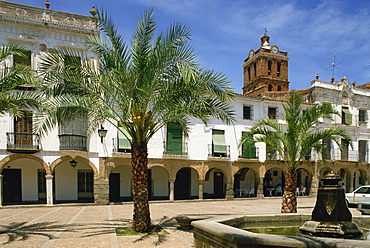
[
  {"x": 221, "y": 232},
  {"x": 331, "y": 230}
]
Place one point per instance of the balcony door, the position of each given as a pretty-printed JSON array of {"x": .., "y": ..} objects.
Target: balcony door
[{"x": 23, "y": 130}]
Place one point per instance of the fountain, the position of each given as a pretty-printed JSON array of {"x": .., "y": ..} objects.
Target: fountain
[
  {"x": 331, "y": 216},
  {"x": 330, "y": 219}
]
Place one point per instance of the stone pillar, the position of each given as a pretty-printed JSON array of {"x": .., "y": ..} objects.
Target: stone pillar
[
  {"x": 1, "y": 190},
  {"x": 229, "y": 189},
  {"x": 201, "y": 183},
  {"x": 315, "y": 183},
  {"x": 101, "y": 191},
  {"x": 351, "y": 186},
  {"x": 49, "y": 190},
  {"x": 172, "y": 190},
  {"x": 260, "y": 193}
]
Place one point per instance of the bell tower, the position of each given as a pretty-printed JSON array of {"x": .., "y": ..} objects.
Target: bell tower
[{"x": 265, "y": 70}]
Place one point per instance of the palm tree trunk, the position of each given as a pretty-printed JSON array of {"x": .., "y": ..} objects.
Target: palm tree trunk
[
  {"x": 139, "y": 168},
  {"x": 289, "y": 203}
]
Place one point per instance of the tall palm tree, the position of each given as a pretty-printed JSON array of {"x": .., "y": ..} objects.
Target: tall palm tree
[
  {"x": 11, "y": 77},
  {"x": 295, "y": 138},
  {"x": 139, "y": 88}
]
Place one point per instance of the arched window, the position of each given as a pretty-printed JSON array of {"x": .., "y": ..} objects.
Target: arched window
[
  {"x": 249, "y": 74},
  {"x": 279, "y": 88},
  {"x": 278, "y": 69},
  {"x": 270, "y": 87},
  {"x": 269, "y": 66}
]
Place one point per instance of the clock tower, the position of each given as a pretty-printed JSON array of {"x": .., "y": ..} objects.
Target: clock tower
[{"x": 265, "y": 71}]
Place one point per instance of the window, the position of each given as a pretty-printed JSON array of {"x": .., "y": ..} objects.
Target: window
[
  {"x": 362, "y": 150},
  {"x": 85, "y": 184},
  {"x": 269, "y": 67},
  {"x": 72, "y": 136},
  {"x": 23, "y": 60},
  {"x": 219, "y": 148},
  {"x": 269, "y": 87},
  {"x": 248, "y": 151},
  {"x": 278, "y": 69},
  {"x": 272, "y": 113},
  {"x": 247, "y": 112},
  {"x": 344, "y": 154},
  {"x": 124, "y": 144},
  {"x": 23, "y": 130},
  {"x": 174, "y": 144},
  {"x": 326, "y": 150},
  {"x": 362, "y": 115},
  {"x": 346, "y": 116}
]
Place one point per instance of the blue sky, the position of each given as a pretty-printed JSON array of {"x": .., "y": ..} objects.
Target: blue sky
[{"x": 225, "y": 30}]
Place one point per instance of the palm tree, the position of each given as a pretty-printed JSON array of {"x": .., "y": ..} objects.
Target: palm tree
[
  {"x": 11, "y": 77},
  {"x": 295, "y": 138},
  {"x": 138, "y": 89}
]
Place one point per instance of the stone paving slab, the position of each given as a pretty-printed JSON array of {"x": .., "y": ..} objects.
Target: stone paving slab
[{"x": 93, "y": 226}]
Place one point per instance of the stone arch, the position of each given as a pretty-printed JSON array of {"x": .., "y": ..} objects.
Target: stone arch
[
  {"x": 162, "y": 166},
  {"x": 215, "y": 184},
  {"x": 244, "y": 182},
  {"x": 184, "y": 186},
  {"x": 78, "y": 159},
  {"x": 158, "y": 182},
  {"x": 304, "y": 177},
  {"x": 274, "y": 177},
  {"x": 13, "y": 157}
]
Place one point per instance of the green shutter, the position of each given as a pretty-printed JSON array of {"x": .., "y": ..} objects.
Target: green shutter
[
  {"x": 219, "y": 143},
  {"x": 248, "y": 152},
  {"x": 174, "y": 139},
  {"x": 347, "y": 116},
  {"x": 123, "y": 142}
]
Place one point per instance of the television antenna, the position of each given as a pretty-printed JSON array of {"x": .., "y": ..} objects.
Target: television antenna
[{"x": 333, "y": 65}]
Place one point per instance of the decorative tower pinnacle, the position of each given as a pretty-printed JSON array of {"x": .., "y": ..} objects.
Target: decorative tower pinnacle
[{"x": 47, "y": 4}]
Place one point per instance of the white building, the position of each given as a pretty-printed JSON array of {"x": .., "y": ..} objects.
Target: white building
[{"x": 206, "y": 164}]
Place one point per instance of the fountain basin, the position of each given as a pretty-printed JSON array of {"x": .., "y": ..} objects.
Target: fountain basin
[{"x": 223, "y": 232}]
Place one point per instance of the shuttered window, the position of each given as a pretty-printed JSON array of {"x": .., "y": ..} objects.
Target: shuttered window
[
  {"x": 346, "y": 116},
  {"x": 218, "y": 140},
  {"x": 174, "y": 140},
  {"x": 123, "y": 143},
  {"x": 248, "y": 151}
]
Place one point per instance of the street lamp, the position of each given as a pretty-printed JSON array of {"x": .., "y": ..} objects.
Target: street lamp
[
  {"x": 102, "y": 132},
  {"x": 73, "y": 163}
]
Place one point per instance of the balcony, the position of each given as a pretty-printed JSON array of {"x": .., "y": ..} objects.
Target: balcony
[
  {"x": 118, "y": 149},
  {"x": 72, "y": 142},
  {"x": 23, "y": 142},
  {"x": 251, "y": 153},
  {"x": 218, "y": 151},
  {"x": 273, "y": 155},
  {"x": 175, "y": 149},
  {"x": 338, "y": 155},
  {"x": 363, "y": 156}
]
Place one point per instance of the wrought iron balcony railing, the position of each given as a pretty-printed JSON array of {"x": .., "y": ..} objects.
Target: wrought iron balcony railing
[
  {"x": 23, "y": 142},
  {"x": 72, "y": 142},
  {"x": 251, "y": 153},
  {"x": 117, "y": 149},
  {"x": 216, "y": 153},
  {"x": 175, "y": 149}
]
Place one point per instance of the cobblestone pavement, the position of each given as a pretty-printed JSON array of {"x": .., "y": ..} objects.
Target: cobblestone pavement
[{"x": 93, "y": 226}]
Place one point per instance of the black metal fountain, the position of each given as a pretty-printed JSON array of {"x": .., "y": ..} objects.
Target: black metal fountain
[{"x": 331, "y": 216}]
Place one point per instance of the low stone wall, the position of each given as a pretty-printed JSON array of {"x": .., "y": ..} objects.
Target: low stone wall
[{"x": 219, "y": 232}]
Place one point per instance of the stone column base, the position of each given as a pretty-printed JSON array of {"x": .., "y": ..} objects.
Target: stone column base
[{"x": 101, "y": 192}]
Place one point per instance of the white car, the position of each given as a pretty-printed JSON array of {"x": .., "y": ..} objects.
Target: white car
[{"x": 360, "y": 194}]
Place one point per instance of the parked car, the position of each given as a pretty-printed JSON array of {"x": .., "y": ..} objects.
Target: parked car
[
  {"x": 364, "y": 207},
  {"x": 360, "y": 194}
]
